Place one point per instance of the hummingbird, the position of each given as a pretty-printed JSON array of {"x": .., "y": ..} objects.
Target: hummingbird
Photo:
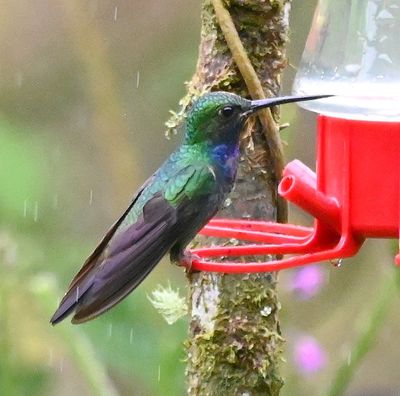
[{"x": 170, "y": 208}]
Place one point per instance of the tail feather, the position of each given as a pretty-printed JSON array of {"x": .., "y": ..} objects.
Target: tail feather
[
  {"x": 120, "y": 278},
  {"x": 121, "y": 264},
  {"x": 71, "y": 300}
]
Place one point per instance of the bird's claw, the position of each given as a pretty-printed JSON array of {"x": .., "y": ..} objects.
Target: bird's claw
[{"x": 186, "y": 260}]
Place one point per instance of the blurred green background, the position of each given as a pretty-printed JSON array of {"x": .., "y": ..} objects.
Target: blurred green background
[{"x": 85, "y": 89}]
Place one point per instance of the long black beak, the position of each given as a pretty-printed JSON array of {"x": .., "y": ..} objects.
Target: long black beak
[{"x": 256, "y": 105}]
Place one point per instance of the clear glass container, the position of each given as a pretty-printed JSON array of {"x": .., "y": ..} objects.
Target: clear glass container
[{"x": 353, "y": 51}]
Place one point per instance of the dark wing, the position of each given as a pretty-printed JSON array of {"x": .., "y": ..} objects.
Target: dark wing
[
  {"x": 79, "y": 283},
  {"x": 124, "y": 259}
]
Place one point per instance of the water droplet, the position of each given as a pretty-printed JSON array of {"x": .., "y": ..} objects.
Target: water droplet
[
  {"x": 337, "y": 262},
  {"x": 51, "y": 357},
  {"x": 385, "y": 57},
  {"x": 115, "y": 13},
  {"x": 348, "y": 361},
  {"x": 352, "y": 68},
  {"x": 110, "y": 330},
  {"x": 137, "y": 79},
  {"x": 228, "y": 202},
  {"x": 131, "y": 337},
  {"x": 25, "y": 207},
  {"x": 90, "y": 197},
  {"x": 266, "y": 311},
  {"x": 383, "y": 38},
  {"x": 385, "y": 15},
  {"x": 36, "y": 211}
]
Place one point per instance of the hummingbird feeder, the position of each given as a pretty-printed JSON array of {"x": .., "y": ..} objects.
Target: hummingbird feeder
[{"x": 354, "y": 194}]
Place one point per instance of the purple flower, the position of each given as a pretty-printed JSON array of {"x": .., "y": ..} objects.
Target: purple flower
[
  {"x": 308, "y": 281},
  {"x": 309, "y": 357}
]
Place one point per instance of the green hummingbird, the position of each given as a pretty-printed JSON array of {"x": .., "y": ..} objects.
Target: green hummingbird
[{"x": 170, "y": 208}]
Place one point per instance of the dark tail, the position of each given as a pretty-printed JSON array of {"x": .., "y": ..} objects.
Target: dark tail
[{"x": 120, "y": 263}]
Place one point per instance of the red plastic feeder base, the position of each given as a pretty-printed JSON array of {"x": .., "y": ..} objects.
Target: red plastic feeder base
[{"x": 353, "y": 195}]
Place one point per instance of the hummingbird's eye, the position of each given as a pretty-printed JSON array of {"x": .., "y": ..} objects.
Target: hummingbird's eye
[{"x": 226, "y": 111}]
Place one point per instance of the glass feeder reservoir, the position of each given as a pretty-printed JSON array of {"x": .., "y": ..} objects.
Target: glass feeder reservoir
[{"x": 353, "y": 51}]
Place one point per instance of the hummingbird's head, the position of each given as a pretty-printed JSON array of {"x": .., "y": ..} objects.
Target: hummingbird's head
[{"x": 218, "y": 117}]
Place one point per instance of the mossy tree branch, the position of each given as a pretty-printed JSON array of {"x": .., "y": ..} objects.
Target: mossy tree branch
[{"x": 234, "y": 343}]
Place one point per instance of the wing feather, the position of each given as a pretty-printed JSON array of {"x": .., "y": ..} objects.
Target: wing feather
[{"x": 125, "y": 257}]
